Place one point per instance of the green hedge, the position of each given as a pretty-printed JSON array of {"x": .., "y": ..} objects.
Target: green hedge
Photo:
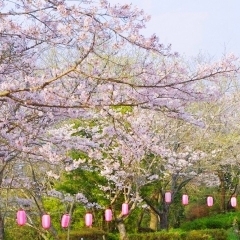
[
  {"x": 208, "y": 234},
  {"x": 157, "y": 235},
  {"x": 86, "y": 234},
  {"x": 95, "y": 234},
  {"x": 224, "y": 221}
]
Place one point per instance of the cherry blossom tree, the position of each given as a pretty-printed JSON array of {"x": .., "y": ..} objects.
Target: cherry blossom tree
[
  {"x": 132, "y": 149},
  {"x": 101, "y": 61},
  {"x": 221, "y": 140}
]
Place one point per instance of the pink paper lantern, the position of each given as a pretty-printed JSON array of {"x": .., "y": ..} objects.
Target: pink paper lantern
[
  {"x": 210, "y": 201},
  {"x": 21, "y": 217},
  {"x": 168, "y": 197},
  {"x": 233, "y": 201},
  {"x": 185, "y": 199},
  {"x": 46, "y": 221},
  {"x": 108, "y": 215},
  {"x": 65, "y": 221},
  {"x": 125, "y": 209},
  {"x": 88, "y": 219}
]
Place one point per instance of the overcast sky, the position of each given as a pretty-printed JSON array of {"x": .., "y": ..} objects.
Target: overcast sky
[{"x": 193, "y": 26}]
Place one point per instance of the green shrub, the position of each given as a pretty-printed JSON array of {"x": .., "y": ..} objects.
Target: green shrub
[
  {"x": 163, "y": 235},
  {"x": 194, "y": 225},
  {"x": 232, "y": 235},
  {"x": 86, "y": 234},
  {"x": 23, "y": 233},
  {"x": 218, "y": 221},
  {"x": 208, "y": 234},
  {"x": 198, "y": 235},
  {"x": 112, "y": 236}
]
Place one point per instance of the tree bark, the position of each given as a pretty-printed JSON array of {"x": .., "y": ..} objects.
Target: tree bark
[
  {"x": 164, "y": 216},
  {"x": 122, "y": 230},
  {"x": 223, "y": 191},
  {"x": 153, "y": 220}
]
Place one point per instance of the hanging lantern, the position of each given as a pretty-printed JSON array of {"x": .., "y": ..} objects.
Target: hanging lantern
[
  {"x": 88, "y": 219},
  {"x": 21, "y": 217},
  {"x": 65, "y": 220},
  {"x": 168, "y": 197},
  {"x": 46, "y": 221},
  {"x": 209, "y": 201},
  {"x": 233, "y": 201},
  {"x": 108, "y": 215},
  {"x": 185, "y": 199},
  {"x": 124, "y": 209}
]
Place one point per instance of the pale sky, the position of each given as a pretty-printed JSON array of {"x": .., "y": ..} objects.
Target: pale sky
[{"x": 210, "y": 27}]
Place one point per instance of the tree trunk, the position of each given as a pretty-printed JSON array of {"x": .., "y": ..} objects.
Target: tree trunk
[
  {"x": 223, "y": 192},
  {"x": 122, "y": 230},
  {"x": 164, "y": 217},
  {"x": 153, "y": 220}
]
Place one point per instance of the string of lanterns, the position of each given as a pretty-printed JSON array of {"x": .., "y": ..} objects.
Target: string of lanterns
[
  {"x": 185, "y": 200},
  {"x": 65, "y": 220}
]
